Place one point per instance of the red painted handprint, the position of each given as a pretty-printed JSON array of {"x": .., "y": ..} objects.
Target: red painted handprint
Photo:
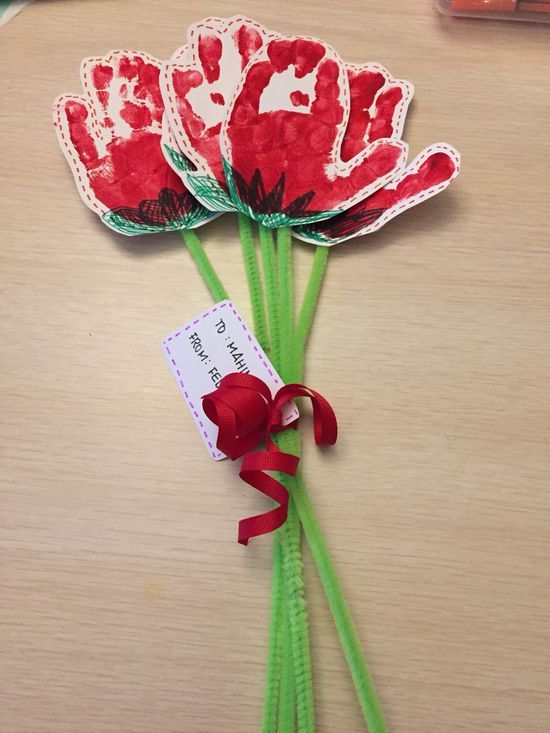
[
  {"x": 378, "y": 107},
  {"x": 199, "y": 82},
  {"x": 111, "y": 138},
  {"x": 429, "y": 174},
  {"x": 282, "y": 139}
]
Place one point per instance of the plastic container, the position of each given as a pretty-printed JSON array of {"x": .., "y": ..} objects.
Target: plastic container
[{"x": 534, "y": 10}]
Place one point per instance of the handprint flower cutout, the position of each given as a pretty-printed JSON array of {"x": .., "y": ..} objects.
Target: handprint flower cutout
[
  {"x": 429, "y": 174},
  {"x": 282, "y": 139},
  {"x": 198, "y": 84},
  {"x": 111, "y": 137},
  {"x": 378, "y": 108}
]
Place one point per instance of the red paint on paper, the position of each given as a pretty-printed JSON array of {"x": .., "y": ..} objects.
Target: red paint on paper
[
  {"x": 363, "y": 85},
  {"x": 203, "y": 139},
  {"x": 102, "y": 76},
  {"x": 300, "y": 145},
  {"x": 79, "y": 122},
  {"x": 425, "y": 177},
  {"x": 301, "y": 53},
  {"x": 437, "y": 168},
  {"x": 128, "y": 67},
  {"x": 299, "y": 99},
  {"x": 373, "y": 102},
  {"x": 381, "y": 125},
  {"x": 127, "y": 168},
  {"x": 248, "y": 40},
  {"x": 210, "y": 52},
  {"x": 136, "y": 115},
  {"x": 103, "y": 99}
]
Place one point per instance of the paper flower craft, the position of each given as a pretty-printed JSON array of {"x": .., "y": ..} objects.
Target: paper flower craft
[
  {"x": 111, "y": 138},
  {"x": 282, "y": 131},
  {"x": 198, "y": 85}
]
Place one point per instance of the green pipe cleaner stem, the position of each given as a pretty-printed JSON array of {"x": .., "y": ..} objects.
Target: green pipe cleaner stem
[
  {"x": 344, "y": 622},
  {"x": 286, "y": 305},
  {"x": 288, "y": 566},
  {"x": 255, "y": 288},
  {"x": 289, "y": 537},
  {"x": 339, "y": 608},
  {"x": 267, "y": 248},
  {"x": 309, "y": 306},
  {"x": 277, "y": 628},
  {"x": 275, "y": 645},
  {"x": 290, "y": 534},
  {"x": 204, "y": 266},
  {"x": 287, "y": 697},
  {"x": 289, "y": 662}
]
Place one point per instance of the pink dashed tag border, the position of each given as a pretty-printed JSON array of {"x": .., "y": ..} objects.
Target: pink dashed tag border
[{"x": 264, "y": 368}]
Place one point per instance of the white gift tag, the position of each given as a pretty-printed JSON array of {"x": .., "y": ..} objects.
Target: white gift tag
[{"x": 203, "y": 351}]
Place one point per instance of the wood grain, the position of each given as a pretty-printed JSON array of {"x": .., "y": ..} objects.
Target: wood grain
[{"x": 127, "y": 606}]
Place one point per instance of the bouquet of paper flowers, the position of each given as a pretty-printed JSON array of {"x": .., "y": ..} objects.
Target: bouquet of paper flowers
[{"x": 296, "y": 143}]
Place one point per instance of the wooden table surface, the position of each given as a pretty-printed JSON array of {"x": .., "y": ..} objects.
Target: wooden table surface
[{"x": 126, "y": 604}]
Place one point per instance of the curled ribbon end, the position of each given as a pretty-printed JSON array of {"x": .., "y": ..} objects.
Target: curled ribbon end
[
  {"x": 270, "y": 521},
  {"x": 245, "y": 412}
]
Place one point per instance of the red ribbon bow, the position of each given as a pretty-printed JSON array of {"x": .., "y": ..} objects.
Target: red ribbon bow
[{"x": 246, "y": 413}]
